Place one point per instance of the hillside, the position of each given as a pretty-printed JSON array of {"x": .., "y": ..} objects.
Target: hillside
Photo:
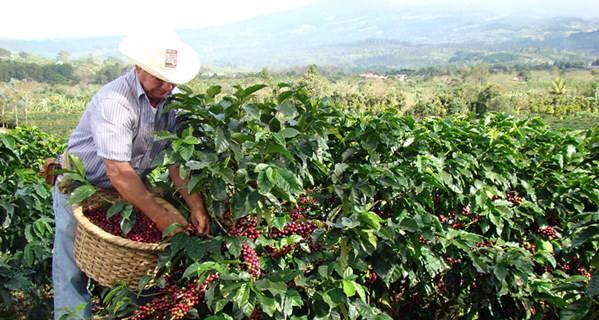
[{"x": 359, "y": 35}]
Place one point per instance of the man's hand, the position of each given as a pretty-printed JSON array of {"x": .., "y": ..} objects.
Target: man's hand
[
  {"x": 200, "y": 220},
  {"x": 126, "y": 181},
  {"x": 199, "y": 217},
  {"x": 167, "y": 218}
]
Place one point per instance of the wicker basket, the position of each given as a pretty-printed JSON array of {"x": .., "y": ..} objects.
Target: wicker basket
[{"x": 107, "y": 258}]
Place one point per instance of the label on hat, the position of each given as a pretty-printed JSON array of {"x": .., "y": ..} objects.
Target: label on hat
[{"x": 170, "y": 58}]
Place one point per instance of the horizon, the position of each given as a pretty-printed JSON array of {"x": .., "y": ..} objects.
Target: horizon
[{"x": 51, "y": 21}]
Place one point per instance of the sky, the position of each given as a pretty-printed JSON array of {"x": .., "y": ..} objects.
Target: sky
[{"x": 52, "y": 19}]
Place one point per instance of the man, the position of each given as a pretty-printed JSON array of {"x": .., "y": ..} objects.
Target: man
[{"x": 115, "y": 141}]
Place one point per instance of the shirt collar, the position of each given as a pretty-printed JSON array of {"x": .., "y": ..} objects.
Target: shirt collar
[{"x": 139, "y": 90}]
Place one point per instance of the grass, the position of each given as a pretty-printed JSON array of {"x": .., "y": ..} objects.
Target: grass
[
  {"x": 57, "y": 124},
  {"x": 581, "y": 121}
]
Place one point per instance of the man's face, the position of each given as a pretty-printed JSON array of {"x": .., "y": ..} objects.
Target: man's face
[{"x": 155, "y": 88}]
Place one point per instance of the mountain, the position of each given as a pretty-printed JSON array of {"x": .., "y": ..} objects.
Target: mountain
[{"x": 362, "y": 34}]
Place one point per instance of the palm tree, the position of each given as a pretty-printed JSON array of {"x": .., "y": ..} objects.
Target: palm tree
[{"x": 558, "y": 87}]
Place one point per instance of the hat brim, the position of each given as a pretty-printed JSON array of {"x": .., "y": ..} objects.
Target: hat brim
[{"x": 148, "y": 56}]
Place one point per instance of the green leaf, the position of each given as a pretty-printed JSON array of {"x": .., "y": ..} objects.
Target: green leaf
[
  {"x": 333, "y": 297},
  {"x": 198, "y": 268},
  {"x": 279, "y": 149},
  {"x": 343, "y": 253},
  {"x": 251, "y": 90},
  {"x": 242, "y": 296},
  {"x": 593, "y": 287},
  {"x": 170, "y": 229},
  {"x": 28, "y": 255},
  {"x": 279, "y": 222},
  {"x": 127, "y": 224},
  {"x": 595, "y": 261},
  {"x": 81, "y": 193},
  {"x": 348, "y": 273},
  {"x": 252, "y": 110},
  {"x": 284, "y": 95},
  {"x": 190, "y": 139},
  {"x": 289, "y": 133},
  {"x": 368, "y": 240},
  {"x": 577, "y": 310},
  {"x": 500, "y": 271},
  {"x": 77, "y": 164},
  {"x": 213, "y": 91},
  {"x": 234, "y": 246},
  {"x": 115, "y": 208},
  {"x": 360, "y": 290},
  {"x": 219, "y": 317},
  {"x": 294, "y": 297},
  {"x": 544, "y": 246},
  {"x": 285, "y": 180},
  {"x": 220, "y": 141},
  {"x": 349, "y": 288},
  {"x": 371, "y": 219},
  {"x": 197, "y": 248},
  {"x": 192, "y": 183},
  {"x": 275, "y": 287},
  {"x": 547, "y": 257},
  {"x": 279, "y": 139},
  {"x": 288, "y": 110},
  {"x": 186, "y": 152},
  {"x": 264, "y": 183},
  {"x": 267, "y": 304},
  {"x": 71, "y": 176},
  {"x": 585, "y": 234},
  {"x": 408, "y": 141},
  {"x": 127, "y": 211}
]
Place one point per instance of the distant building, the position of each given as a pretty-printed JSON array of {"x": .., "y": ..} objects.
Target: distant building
[{"x": 372, "y": 75}]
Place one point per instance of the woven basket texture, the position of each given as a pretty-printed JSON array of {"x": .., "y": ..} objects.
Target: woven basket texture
[{"x": 108, "y": 259}]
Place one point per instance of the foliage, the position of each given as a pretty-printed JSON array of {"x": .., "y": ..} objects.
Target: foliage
[
  {"x": 315, "y": 83},
  {"x": 50, "y": 73},
  {"x": 326, "y": 214},
  {"x": 26, "y": 231},
  {"x": 110, "y": 70}
]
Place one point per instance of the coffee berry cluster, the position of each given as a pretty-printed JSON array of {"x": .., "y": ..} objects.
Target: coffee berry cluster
[{"x": 175, "y": 302}]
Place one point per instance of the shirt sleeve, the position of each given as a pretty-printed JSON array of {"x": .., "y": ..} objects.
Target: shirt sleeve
[{"x": 112, "y": 128}]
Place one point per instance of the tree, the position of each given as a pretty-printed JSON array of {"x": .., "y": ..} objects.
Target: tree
[
  {"x": 315, "y": 83},
  {"x": 63, "y": 56},
  {"x": 265, "y": 75},
  {"x": 111, "y": 69},
  {"x": 524, "y": 74},
  {"x": 483, "y": 100},
  {"x": 558, "y": 87},
  {"x": 480, "y": 73}
]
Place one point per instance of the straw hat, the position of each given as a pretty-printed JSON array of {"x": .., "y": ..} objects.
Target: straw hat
[{"x": 163, "y": 55}]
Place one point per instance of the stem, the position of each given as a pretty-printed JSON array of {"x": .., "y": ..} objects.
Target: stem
[
  {"x": 106, "y": 199},
  {"x": 344, "y": 311},
  {"x": 222, "y": 227}
]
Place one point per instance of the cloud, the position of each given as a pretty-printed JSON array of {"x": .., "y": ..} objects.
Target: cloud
[{"x": 30, "y": 19}]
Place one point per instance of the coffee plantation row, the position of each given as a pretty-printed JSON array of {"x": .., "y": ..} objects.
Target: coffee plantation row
[{"x": 320, "y": 213}]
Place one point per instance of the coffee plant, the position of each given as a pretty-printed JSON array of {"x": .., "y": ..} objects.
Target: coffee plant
[
  {"x": 324, "y": 214},
  {"x": 320, "y": 213},
  {"x": 26, "y": 223}
]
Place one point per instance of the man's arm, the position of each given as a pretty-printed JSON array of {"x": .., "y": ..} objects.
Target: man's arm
[
  {"x": 199, "y": 217},
  {"x": 126, "y": 181}
]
